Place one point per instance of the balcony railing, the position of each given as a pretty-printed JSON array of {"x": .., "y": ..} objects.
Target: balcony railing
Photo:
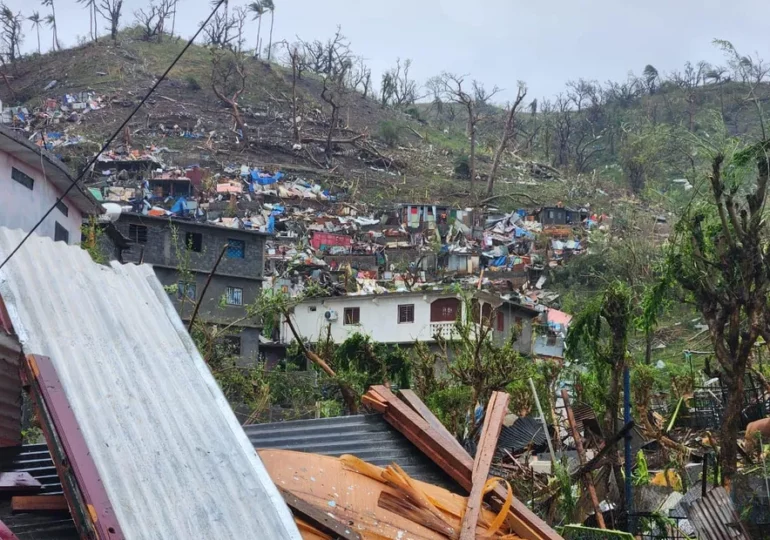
[{"x": 447, "y": 330}]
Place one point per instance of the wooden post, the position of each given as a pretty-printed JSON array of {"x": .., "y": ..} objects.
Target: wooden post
[
  {"x": 545, "y": 424},
  {"x": 582, "y": 458}
]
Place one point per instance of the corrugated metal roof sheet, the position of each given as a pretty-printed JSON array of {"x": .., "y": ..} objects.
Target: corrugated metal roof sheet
[
  {"x": 524, "y": 433},
  {"x": 367, "y": 436},
  {"x": 169, "y": 451},
  {"x": 36, "y": 460},
  {"x": 714, "y": 517}
]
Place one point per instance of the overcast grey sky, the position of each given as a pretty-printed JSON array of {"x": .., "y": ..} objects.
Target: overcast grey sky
[{"x": 544, "y": 43}]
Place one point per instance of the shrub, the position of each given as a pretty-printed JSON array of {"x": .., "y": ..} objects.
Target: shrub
[
  {"x": 390, "y": 133},
  {"x": 462, "y": 166},
  {"x": 193, "y": 84}
]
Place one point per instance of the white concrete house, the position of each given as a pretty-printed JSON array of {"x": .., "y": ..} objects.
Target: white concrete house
[
  {"x": 406, "y": 317},
  {"x": 30, "y": 182}
]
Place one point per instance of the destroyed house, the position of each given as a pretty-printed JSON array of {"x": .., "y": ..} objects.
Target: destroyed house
[
  {"x": 237, "y": 282},
  {"x": 557, "y": 215},
  {"x": 406, "y": 317},
  {"x": 31, "y": 181}
]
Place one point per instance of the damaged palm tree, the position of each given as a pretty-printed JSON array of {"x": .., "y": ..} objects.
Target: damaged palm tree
[{"x": 228, "y": 81}]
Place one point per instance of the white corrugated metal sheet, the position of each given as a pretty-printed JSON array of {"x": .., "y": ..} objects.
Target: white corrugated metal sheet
[{"x": 174, "y": 461}]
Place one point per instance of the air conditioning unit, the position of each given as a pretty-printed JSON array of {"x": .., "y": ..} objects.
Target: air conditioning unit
[{"x": 330, "y": 315}]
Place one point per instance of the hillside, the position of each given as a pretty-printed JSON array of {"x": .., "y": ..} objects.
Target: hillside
[{"x": 418, "y": 167}]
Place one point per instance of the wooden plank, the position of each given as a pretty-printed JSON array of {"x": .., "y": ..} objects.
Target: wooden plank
[
  {"x": 411, "y": 399},
  {"x": 497, "y": 408},
  {"x": 29, "y": 503},
  {"x": 403, "y": 507},
  {"x": 318, "y": 518},
  {"x": 582, "y": 458},
  {"x": 458, "y": 465},
  {"x": 18, "y": 482},
  {"x": 6, "y": 533}
]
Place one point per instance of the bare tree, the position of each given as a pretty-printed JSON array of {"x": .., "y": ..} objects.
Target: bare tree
[
  {"x": 295, "y": 59},
  {"x": 111, "y": 11},
  {"x": 509, "y": 132},
  {"x": 36, "y": 22},
  {"x": 11, "y": 33},
  {"x": 220, "y": 30},
  {"x": 154, "y": 19},
  {"x": 397, "y": 88},
  {"x": 455, "y": 88},
  {"x": 360, "y": 76},
  {"x": 50, "y": 20},
  {"x": 228, "y": 81},
  {"x": 331, "y": 58},
  {"x": 334, "y": 93}
]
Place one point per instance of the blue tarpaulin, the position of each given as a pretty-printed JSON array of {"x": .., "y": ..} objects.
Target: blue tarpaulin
[
  {"x": 519, "y": 233},
  {"x": 500, "y": 261},
  {"x": 265, "y": 180},
  {"x": 271, "y": 224},
  {"x": 180, "y": 206}
]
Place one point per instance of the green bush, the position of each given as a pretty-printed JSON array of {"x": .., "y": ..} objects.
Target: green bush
[
  {"x": 193, "y": 84},
  {"x": 462, "y": 166},
  {"x": 390, "y": 132}
]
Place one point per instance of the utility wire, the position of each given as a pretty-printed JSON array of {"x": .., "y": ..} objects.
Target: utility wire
[{"x": 115, "y": 134}]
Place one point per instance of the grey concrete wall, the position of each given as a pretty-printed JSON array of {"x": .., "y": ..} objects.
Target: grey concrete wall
[
  {"x": 159, "y": 248},
  {"x": 523, "y": 343}
]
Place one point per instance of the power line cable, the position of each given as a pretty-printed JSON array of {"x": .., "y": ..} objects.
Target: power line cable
[{"x": 114, "y": 135}]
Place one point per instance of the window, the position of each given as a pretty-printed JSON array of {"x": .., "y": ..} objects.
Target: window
[
  {"x": 234, "y": 296},
  {"x": 232, "y": 344},
  {"x": 61, "y": 207},
  {"x": 352, "y": 315},
  {"x": 61, "y": 234},
  {"x": 137, "y": 233},
  {"x": 500, "y": 321},
  {"x": 550, "y": 214},
  {"x": 185, "y": 290},
  {"x": 194, "y": 241},
  {"x": 236, "y": 249},
  {"x": 23, "y": 179},
  {"x": 406, "y": 313}
]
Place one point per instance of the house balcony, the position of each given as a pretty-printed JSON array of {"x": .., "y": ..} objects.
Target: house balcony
[{"x": 448, "y": 331}]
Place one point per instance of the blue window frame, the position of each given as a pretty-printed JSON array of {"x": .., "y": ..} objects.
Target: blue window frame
[{"x": 236, "y": 249}]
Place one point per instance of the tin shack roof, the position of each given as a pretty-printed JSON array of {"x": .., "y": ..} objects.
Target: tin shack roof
[{"x": 167, "y": 448}]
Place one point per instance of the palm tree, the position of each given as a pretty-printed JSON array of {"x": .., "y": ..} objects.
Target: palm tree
[
  {"x": 36, "y": 21},
  {"x": 91, "y": 6},
  {"x": 268, "y": 4},
  {"x": 50, "y": 20},
  {"x": 258, "y": 10}
]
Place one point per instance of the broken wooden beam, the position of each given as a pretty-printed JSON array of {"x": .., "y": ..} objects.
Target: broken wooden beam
[
  {"x": 317, "y": 518},
  {"x": 457, "y": 464},
  {"x": 19, "y": 482},
  {"x": 594, "y": 461},
  {"x": 589, "y": 485},
  {"x": 44, "y": 503},
  {"x": 497, "y": 408}
]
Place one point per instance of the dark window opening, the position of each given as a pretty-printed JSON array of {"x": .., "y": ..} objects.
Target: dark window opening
[
  {"x": 194, "y": 241},
  {"x": 234, "y": 296},
  {"x": 500, "y": 321},
  {"x": 137, "y": 233},
  {"x": 236, "y": 249},
  {"x": 352, "y": 315},
  {"x": 232, "y": 344},
  {"x": 61, "y": 207},
  {"x": 406, "y": 313},
  {"x": 23, "y": 179},
  {"x": 61, "y": 234}
]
